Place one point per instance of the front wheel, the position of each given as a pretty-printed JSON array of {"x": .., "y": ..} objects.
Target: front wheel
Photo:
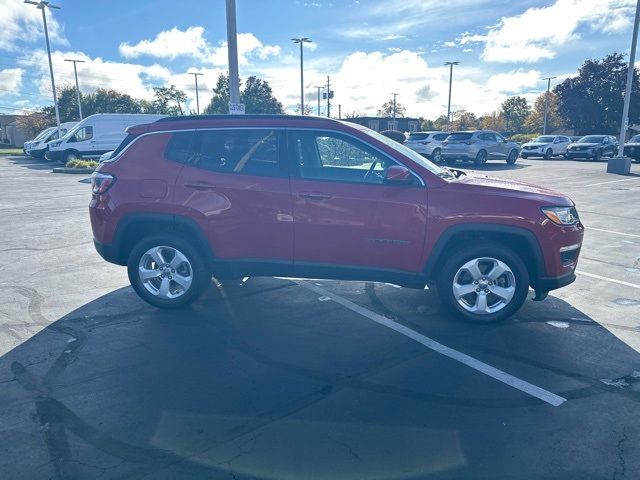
[
  {"x": 597, "y": 156},
  {"x": 167, "y": 271},
  {"x": 548, "y": 154},
  {"x": 483, "y": 284},
  {"x": 70, "y": 155},
  {"x": 513, "y": 156}
]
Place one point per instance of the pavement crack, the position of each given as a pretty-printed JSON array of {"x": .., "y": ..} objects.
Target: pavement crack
[{"x": 620, "y": 451}]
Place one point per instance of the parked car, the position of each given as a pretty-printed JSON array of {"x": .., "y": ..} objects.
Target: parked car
[
  {"x": 632, "y": 148},
  {"x": 545, "y": 146},
  {"x": 479, "y": 146},
  {"x": 593, "y": 147},
  {"x": 428, "y": 144},
  {"x": 38, "y": 147},
  {"x": 95, "y": 135},
  {"x": 187, "y": 197}
]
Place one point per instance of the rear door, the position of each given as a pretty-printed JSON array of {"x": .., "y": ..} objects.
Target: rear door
[
  {"x": 491, "y": 145},
  {"x": 344, "y": 215},
  {"x": 235, "y": 184}
]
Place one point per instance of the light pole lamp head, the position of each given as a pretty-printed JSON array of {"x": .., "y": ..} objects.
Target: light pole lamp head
[
  {"x": 452, "y": 63},
  {"x": 42, "y": 4},
  {"x": 301, "y": 40}
]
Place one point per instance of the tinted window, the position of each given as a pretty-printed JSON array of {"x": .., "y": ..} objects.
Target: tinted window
[
  {"x": 635, "y": 139},
  {"x": 250, "y": 152},
  {"x": 127, "y": 140},
  {"x": 592, "y": 139},
  {"x": 418, "y": 136},
  {"x": 440, "y": 136},
  {"x": 544, "y": 139},
  {"x": 322, "y": 156},
  {"x": 460, "y": 136},
  {"x": 180, "y": 147},
  {"x": 487, "y": 137}
]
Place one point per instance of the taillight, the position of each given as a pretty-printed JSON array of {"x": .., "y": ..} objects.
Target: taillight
[{"x": 101, "y": 182}]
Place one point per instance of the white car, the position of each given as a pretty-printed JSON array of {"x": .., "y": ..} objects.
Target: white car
[
  {"x": 96, "y": 135},
  {"x": 38, "y": 147},
  {"x": 428, "y": 144},
  {"x": 546, "y": 146}
]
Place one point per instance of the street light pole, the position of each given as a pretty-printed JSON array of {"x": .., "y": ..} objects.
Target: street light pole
[
  {"x": 394, "y": 109},
  {"x": 195, "y": 76},
  {"x": 546, "y": 104},
  {"x": 627, "y": 94},
  {"x": 75, "y": 73},
  {"x": 42, "y": 4},
  {"x": 301, "y": 41},
  {"x": 450, "y": 64},
  {"x": 319, "y": 88},
  {"x": 232, "y": 47}
]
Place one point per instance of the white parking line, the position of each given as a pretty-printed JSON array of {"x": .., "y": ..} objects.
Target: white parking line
[
  {"x": 611, "y": 231},
  {"x": 607, "y": 279},
  {"x": 523, "y": 386},
  {"x": 611, "y": 181}
]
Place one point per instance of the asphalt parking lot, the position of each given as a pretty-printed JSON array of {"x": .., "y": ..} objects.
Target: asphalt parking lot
[{"x": 287, "y": 379}]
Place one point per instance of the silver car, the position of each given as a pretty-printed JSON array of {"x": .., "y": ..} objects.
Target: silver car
[
  {"x": 479, "y": 146},
  {"x": 428, "y": 144}
]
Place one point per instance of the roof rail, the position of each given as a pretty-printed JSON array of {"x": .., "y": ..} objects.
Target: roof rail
[{"x": 251, "y": 116}]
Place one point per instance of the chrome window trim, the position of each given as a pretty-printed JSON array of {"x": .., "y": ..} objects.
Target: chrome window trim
[{"x": 157, "y": 132}]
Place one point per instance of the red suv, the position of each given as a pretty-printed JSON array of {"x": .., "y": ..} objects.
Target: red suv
[{"x": 189, "y": 197}]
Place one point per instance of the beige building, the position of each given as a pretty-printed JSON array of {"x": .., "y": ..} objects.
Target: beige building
[{"x": 10, "y": 132}]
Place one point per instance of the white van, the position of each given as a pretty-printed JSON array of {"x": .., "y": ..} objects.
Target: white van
[
  {"x": 96, "y": 135},
  {"x": 38, "y": 146}
]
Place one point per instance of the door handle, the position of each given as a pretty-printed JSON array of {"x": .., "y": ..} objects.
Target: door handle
[
  {"x": 314, "y": 196},
  {"x": 200, "y": 186}
]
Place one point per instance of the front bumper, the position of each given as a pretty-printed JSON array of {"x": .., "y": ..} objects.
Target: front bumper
[
  {"x": 579, "y": 153},
  {"x": 546, "y": 284},
  {"x": 36, "y": 152}
]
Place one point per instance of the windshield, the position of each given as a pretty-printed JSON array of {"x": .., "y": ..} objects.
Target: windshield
[
  {"x": 635, "y": 139},
  {"x": 406, "y": 151},
  {"x": 544, "y": 139},
  {"x": 44, "y": 133},
  {"x": 592, "y": 139}
]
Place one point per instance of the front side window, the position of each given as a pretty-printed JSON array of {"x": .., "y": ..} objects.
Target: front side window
[
  {"x": 440, "y": 136},
  {"x": 329, "y": 156},
  {"x": 85, "y": 133}
]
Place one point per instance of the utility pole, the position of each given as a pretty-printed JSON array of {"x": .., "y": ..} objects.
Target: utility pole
[
  {"x": 394, "y": 109},
  {"x": 329, "y": 96},
  {"x": 319, "y": 88},
  {"x": 232, "y": 47},
  {"x": 627, "y": 94},
  {"x": 546, "y": 104},
  {"x": 195, "y": 76},
  {"x": 75, "y": 72},
  {"x": 450, "y": 64},
  {"x": 42, "y": 5},
  {"x": 301, "y": 41}
]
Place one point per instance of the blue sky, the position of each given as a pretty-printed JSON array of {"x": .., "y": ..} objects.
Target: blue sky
[{"x": 370, "y": 48}]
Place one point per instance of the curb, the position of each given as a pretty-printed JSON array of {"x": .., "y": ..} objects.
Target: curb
[{"x": 83, "y": 171}]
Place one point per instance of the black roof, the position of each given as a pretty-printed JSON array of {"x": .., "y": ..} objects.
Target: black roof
[{"x": 250, "y": 116}]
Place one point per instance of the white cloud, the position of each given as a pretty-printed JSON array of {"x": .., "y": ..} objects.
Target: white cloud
[
  {"x": 10, "y": 81},
  {"x": 513, "y": 81},
  {"x": 539, "y": 32},
  {"x": 20, "y": 22},
  {"x": 170, "y": 44}
]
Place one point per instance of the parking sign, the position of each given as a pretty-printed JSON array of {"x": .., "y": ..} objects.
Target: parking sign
[{"x": 236, "y": 108}]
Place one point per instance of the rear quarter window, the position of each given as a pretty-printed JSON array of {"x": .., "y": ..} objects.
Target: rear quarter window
[
  {"x": 418, "y": 136},
  {"x": 460, "y": 136}
]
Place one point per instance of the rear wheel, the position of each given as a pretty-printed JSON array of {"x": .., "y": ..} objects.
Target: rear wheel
[
  {"x": 167, "y": 271},
  {"x": 513, "y": 156},
  {"x": 70, "y": 155},
  {"x": 485, "y": 283},
  {"x": 436, "y": 156},
  {"x": 481, "y": 158}
]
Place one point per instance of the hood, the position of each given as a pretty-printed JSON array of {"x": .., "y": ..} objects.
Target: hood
[
  {"x": 632, "y": 144},
  {"x": 535, "y": 144},
  {"x": 591, "y": 145},
  {"x": 508, "y": 187}
]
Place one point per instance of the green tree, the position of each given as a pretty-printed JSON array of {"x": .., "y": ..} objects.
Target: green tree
[
  {"x": 387, "y": 109},
  {"x": 592, "y": 102},
  {"x": 220, "y": 101},
  {"x": 169, "y": 100},
  {"x": 427, "y": 125},
  {"x": 464, "y": 120},
  {"x": 257, "y": 97},
  {"x": 101, "y": 101},
  {"x": 35, "y": 122},
  {"x": 440, "y": 123},
  {"x": 535, "y": 120},
  {"x": 492, "y": 121},
  {"x": 515, "y": 111}
]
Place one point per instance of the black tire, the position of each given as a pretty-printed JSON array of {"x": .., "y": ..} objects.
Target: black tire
[
  {"x": 435, "y": 156},
  {"x": 481, "y": 158},
  {"x": 70, "y": 155},
  {"x": 524, "y": 156},
  {"x": 598, "y": 155},
  {"x": 513, "y": 157},
  {"x": 445, "y": 280},
  {"x": 548, "y": 154},
  {"x": 201, "y": 275}
]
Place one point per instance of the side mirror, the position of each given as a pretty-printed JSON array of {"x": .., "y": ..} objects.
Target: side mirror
[
  {"x": 397, "y": 174},
  {"x": 504, "y": 140}
]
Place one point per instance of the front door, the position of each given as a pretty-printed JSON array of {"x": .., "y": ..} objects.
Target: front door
[
  {"x": 344, "y": 213},
  {"x": 236, "y": 186}
]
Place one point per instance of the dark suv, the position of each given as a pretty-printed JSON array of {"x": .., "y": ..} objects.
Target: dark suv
[{"x": 186, "y": 198}]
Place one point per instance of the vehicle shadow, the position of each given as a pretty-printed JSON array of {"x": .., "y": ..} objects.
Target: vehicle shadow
[
  {"x": 264, "y": 380},
  {"x": 488, "y": 167},
  {"x": 32, "y": 163}
]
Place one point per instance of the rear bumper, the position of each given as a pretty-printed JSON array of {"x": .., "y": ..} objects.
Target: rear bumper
[{"x": 455, "y": 155}]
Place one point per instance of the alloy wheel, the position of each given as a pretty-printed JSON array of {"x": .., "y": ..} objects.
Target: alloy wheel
[
  {"x": 165, "y": 272},
  {"x": 484, "y": 285}
]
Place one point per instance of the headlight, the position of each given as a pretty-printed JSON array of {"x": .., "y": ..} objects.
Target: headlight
[{"x": 561, "y": 215}]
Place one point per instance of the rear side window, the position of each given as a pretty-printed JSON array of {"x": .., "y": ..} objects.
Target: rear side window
[
  {"x": 127, "y": 140},
  {"x": 418, "y": 136},
  {"x": 249, "y": 152},
  {"x": 440, "y": 136},
  {"x": 180, "y": 147},
  {"x": 460, "y": 136}
]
